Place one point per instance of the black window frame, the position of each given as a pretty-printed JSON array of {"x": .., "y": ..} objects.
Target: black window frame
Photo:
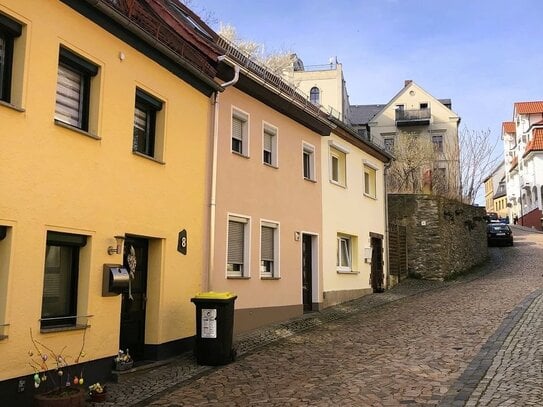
[
  {"x": 74, "y": 242},
  {"x": 86, "y": 70},
  {"x": 150, "y": 106},
  {"x": 9, "y": 30}
]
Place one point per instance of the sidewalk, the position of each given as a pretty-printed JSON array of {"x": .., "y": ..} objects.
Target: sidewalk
[
  {"x": 150, "y": 383},
  {"x": 507, "y": 369}
]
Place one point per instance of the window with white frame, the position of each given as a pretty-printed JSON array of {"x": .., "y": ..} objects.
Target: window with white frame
[
  {"x": 370, "y": 180},
  {"x": 269, "y": 145},
  {"x": 344, "y": 253},
  {"x": 238, "y": 243},
  {"x": 389, "y": 143},
  {"x": 308, "y": 162},
  {"x": 74, "y": 89},
  {"x": 269, "y": 234},
  {"x": 437, "y": 140},
  {"x": 337, "y": 166},
  {"x": 240, "y": 124}
]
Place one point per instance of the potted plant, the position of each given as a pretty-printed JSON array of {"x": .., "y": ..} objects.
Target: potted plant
[
  {"x": 123, "y": 360},
  {"x": 58, "y": 373},
  {"x": 97, "y": 392}
]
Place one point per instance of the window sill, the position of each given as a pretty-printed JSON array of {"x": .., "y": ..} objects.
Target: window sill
[
  {"x": 240, "y": 154},
  {"x": 13, "y": 107},
  {"x": 271, "y": 166},
  {"x": 238, "y": 277},
  {"x": 310, "y": 180},
  {"x": 371, "y": 196},
  {"x": 156, "y": 160},
  {"x": 63, "y": 328},
  {"x": 347, "y": 272},
  {"x": 3, "y": 337},
  {"x": 73, "y": 128},
  {"x": 338, "y": 184},
  {"x": 269, "y": 278}
]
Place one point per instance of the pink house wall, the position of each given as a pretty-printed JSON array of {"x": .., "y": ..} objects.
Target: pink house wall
[{"x": 246, "y": 186}]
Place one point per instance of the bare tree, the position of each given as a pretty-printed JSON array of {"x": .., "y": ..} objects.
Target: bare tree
[
  {"x": 477, "y": 159},
  {"x": 414, "y": 154},
  {"x": 275, "y": 60}
]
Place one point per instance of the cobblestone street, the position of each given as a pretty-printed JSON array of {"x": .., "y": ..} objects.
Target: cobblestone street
[{"x": 475, "y": 341}]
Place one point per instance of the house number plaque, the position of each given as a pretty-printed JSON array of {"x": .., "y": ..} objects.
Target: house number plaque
[{"x": 182, "y": 242}]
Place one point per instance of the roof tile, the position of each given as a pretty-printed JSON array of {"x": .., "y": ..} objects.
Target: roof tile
[
  {"x": 529, "y": 107},
  {"x": 508, "y": 127},
  {"x": 536, "y": 143}
]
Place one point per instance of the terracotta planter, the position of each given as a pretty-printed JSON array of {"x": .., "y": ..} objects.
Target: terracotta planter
[{"x": 70, "y": 397}]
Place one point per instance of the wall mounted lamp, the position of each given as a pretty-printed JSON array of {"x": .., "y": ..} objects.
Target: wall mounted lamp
[{"x": 117, "y": 250}]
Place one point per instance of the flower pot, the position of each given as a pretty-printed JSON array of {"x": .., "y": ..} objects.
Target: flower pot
[
  {"x": 98, "y": 397},
  {"x": 124, "y": 365},
  {"x": 66, "y": 397}
]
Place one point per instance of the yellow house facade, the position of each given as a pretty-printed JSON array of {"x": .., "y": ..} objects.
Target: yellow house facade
[{"x": 105, "y": 150}]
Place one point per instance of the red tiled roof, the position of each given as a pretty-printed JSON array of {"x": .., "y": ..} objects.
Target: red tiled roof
[
  {"x": 514, "y": 163},
  {"x": 536, "y": 143},
  {"x": 508, "y": 127},
  {"x": 528, "y": 107}
]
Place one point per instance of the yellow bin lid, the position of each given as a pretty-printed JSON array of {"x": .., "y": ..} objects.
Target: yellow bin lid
[{"x": 212, "y": 295}]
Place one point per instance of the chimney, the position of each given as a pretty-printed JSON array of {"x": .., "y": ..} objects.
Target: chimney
[{"x": 407, "y": 82}]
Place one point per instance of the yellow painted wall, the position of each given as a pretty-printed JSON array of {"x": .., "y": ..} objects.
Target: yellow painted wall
[
  {"x": 54, "y": 178},
  {"x": 246, "y": 186},
  {"x": 346, "y": 210}
]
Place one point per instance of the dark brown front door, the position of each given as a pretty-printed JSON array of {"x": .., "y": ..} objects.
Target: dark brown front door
[
  {"x": 133, "y": 309},
  {"x": 377, "y": 276},
  {"x": 307, "y": 272}
]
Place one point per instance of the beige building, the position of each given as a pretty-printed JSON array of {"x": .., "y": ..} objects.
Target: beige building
[
  {"x": 495, "y": 192},
  {"x": 416, "y": 124},
  {"x": 324, "y": 85},
  {"x": 354, "y": 216}
]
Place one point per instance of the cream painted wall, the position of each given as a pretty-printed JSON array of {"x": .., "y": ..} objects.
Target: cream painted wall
[
  {"x": 56, "y": 178},
  {"x": 443, "y": 121},
  {"x": 246, "y": 186},
  {"x": 346, "y": 210},
  {"x": 329, "y": 82}
]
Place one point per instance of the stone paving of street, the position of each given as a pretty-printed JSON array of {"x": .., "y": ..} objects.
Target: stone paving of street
[{"x": 421, "y": 343}]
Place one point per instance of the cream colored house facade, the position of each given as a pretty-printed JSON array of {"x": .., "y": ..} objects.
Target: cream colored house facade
[
  {"x": 324, "y": 85},
  {"x": 117, "y": 163},
  {"x": 415, "y": 112},
  {"x": 354, "y": 217}
]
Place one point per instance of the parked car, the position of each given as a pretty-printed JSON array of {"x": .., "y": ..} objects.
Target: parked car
[{"x": 499, "y": 233}]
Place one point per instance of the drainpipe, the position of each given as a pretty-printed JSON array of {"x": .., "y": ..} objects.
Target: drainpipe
[
  {"x": 387, "y": 237},
  {"x": 213, "y": 186}
]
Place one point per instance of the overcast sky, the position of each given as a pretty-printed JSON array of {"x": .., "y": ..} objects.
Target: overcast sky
[{"x": 483, "y": 54}]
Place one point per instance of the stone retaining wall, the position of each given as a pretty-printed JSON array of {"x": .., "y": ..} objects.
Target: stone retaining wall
[{"x": 444, "y": 237}]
